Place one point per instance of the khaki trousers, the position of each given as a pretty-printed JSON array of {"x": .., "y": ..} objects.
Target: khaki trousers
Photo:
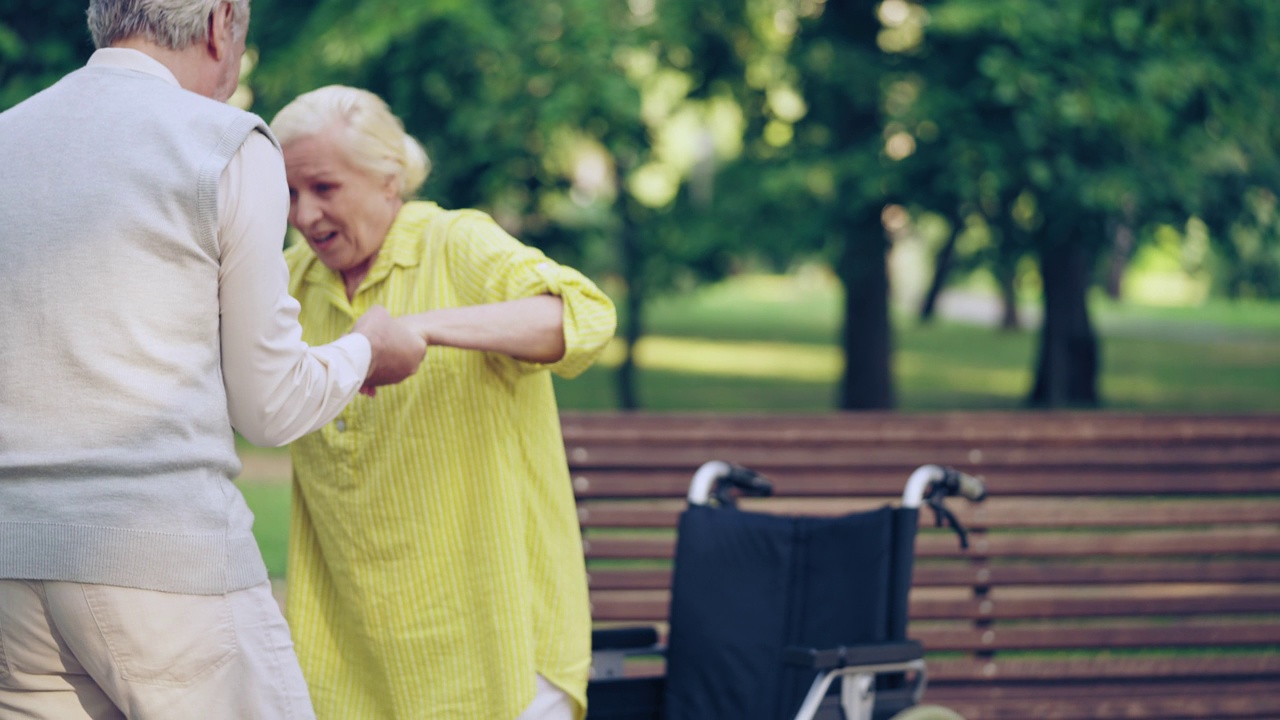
[{"x": 74, "y": 651}]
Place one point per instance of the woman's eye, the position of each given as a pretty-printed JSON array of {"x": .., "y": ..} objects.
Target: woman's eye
[{"x": 324, "y": 189}]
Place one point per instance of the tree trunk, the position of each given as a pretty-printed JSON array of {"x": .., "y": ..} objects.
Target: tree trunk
[
  {"x": 941, "y": 267},
  {"x": 1007, "y": 277},
  {"x": 867, "y": 337},
  {"x": 1121, "y": 251},
  {"x": 1006, "y": 272},
  {"x": 633, "y": 274},
  {"x": 1067, "y": 369},
  {"x": 626, "y": 377}
]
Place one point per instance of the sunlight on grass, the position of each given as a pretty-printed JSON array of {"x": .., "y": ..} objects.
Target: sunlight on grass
[
  {"x": 930, "y": 371},
  {"x": 802, "y": 307},
  {"x": 786, "y": 361},
  {"x": 1218, "y": 357}
]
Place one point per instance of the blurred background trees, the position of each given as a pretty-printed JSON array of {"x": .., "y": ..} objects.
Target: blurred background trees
[{"x": 658, "y": 144}]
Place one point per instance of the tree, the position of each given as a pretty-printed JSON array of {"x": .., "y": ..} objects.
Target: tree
[
  {"x": 1107, "y": 106},
  {"x": 40, "y": 41},
  {"x": 814, "y": 176}
]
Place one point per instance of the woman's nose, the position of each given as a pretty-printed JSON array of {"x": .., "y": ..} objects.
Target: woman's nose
[{"x": 303, "y": 211}]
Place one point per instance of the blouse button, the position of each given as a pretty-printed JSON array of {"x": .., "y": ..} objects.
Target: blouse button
[{"x": 341, "y": 425}]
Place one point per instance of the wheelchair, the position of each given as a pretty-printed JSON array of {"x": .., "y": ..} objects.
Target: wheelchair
[{"x": 775, "y": 617}]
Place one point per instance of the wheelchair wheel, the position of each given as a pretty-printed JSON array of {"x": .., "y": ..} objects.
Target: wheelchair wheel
[{"x": 927, "y": 712}]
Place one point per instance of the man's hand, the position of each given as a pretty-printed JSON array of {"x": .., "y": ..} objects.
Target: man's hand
[{"x": 397, "y": 352}]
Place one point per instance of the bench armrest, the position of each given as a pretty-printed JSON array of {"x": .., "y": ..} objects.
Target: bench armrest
[
  {"x": 638, "y": 639},
  {"x": 610, "y": 649}
]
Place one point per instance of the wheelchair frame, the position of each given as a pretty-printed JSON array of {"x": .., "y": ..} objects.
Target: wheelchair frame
[{"x": 856, "y": 667}]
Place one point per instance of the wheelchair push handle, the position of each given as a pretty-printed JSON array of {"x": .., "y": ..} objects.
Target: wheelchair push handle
[
  {"x": 715, "y": 482},
  {"x": 934, "y": 480},
  {"x": 964, "y": 485},
  {"x": 933, "y": 484}
]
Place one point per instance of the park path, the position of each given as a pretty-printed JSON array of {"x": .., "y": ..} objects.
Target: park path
[{"x": 265, "y": 466}]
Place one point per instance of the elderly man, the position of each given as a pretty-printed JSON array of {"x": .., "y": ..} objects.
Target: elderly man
[{"x": 143, "y": 315}]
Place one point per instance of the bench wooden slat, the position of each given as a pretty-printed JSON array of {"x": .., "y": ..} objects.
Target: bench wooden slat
[
  {"x": 780, "y": 459},
  {"x": 1215, "y": 541},
  {"x": 976, "y": 678},
  {"x": 1002, "y": 482},
  {"x": 1196, "y": 600},
  {"x": 1212, "y": 703},
  {"x": 649, "y": 606},
  {"x": 992, "y": 513},
  {"x": 945, "y": 670},
  {"x": 1128, "y": 634},
  {"x": 1031, "y": 689},
  {"x": 988, "y": 574},
  {"x": 1065, "y": 637},
  {"x": 1057, "y": 427},
  {"x": 1216, "y": 570}
]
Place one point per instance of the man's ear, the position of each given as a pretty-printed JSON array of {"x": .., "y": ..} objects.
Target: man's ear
[{"x": 221, "y": 30}]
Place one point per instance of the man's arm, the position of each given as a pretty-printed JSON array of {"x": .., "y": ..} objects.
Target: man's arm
[
  {"x": 404, "y": 349},
  {"x": 278, "y": 387}
]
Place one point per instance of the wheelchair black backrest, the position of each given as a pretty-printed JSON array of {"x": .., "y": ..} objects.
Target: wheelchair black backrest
[{"x": 746, "y": 586}]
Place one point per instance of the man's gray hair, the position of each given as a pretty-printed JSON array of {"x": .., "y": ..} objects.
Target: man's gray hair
[{"x": 174, "y": 24}]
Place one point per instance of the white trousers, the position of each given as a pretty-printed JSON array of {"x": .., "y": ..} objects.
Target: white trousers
[
  {"x": 551, "y": 703},
  {"x": 73, "y": 651}
]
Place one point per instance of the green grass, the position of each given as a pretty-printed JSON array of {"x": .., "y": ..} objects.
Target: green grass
[
  {"x": 767, "y": 343},
  {"x": 270, "y": 504},
  {"x": 1216, "y": 318},
  {"x": 796, "y": 309}
]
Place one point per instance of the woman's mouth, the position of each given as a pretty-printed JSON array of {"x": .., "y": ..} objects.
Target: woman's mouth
[{"x": 323, "y": 239}]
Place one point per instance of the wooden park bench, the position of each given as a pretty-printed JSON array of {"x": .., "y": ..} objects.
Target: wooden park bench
[{"x": 1123, "y": 565}]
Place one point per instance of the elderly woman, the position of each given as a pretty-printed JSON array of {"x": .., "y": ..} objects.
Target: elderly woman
[{"x": 435, "y": 560}]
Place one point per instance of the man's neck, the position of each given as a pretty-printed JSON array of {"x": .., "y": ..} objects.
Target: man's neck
[{"x": 185, "y": 64}]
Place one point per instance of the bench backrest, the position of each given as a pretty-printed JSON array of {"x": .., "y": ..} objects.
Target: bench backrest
[{"x": 1123, "y": 559}]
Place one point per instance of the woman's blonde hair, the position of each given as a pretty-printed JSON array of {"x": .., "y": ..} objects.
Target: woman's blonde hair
[{"x": 374, "y": 138}]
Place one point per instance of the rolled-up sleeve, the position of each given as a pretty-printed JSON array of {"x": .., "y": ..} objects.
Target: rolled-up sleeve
[
  {"x": 278, "y": 387},
  {"x": 489, "y": 266}
]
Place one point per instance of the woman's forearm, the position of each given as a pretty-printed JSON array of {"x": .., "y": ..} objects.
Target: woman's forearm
[{"x": 530, "y": 329}]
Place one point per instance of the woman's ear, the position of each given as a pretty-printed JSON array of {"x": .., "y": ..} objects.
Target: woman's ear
[{"x": 392, "y": 186}]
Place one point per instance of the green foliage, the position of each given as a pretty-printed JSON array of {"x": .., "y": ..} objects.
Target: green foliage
[
  {"x": 40, "y": 41},
  {"x": 507, "y": 97},
  {"x": 1148, "y": 111},
  {"x": 1041, "y": 123}
]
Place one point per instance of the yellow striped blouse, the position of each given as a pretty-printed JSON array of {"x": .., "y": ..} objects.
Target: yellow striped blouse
[{"x": 435, "y": 560}]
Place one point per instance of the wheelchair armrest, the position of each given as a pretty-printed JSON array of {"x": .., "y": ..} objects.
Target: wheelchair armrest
[
  {"x": 839, "y": 657},
  {"x": 857, "y": 667},
  {"x": 638, "y": 639}
]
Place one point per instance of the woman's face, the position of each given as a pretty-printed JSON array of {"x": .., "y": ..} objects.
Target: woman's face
[{"x": 342, "y": 210}]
